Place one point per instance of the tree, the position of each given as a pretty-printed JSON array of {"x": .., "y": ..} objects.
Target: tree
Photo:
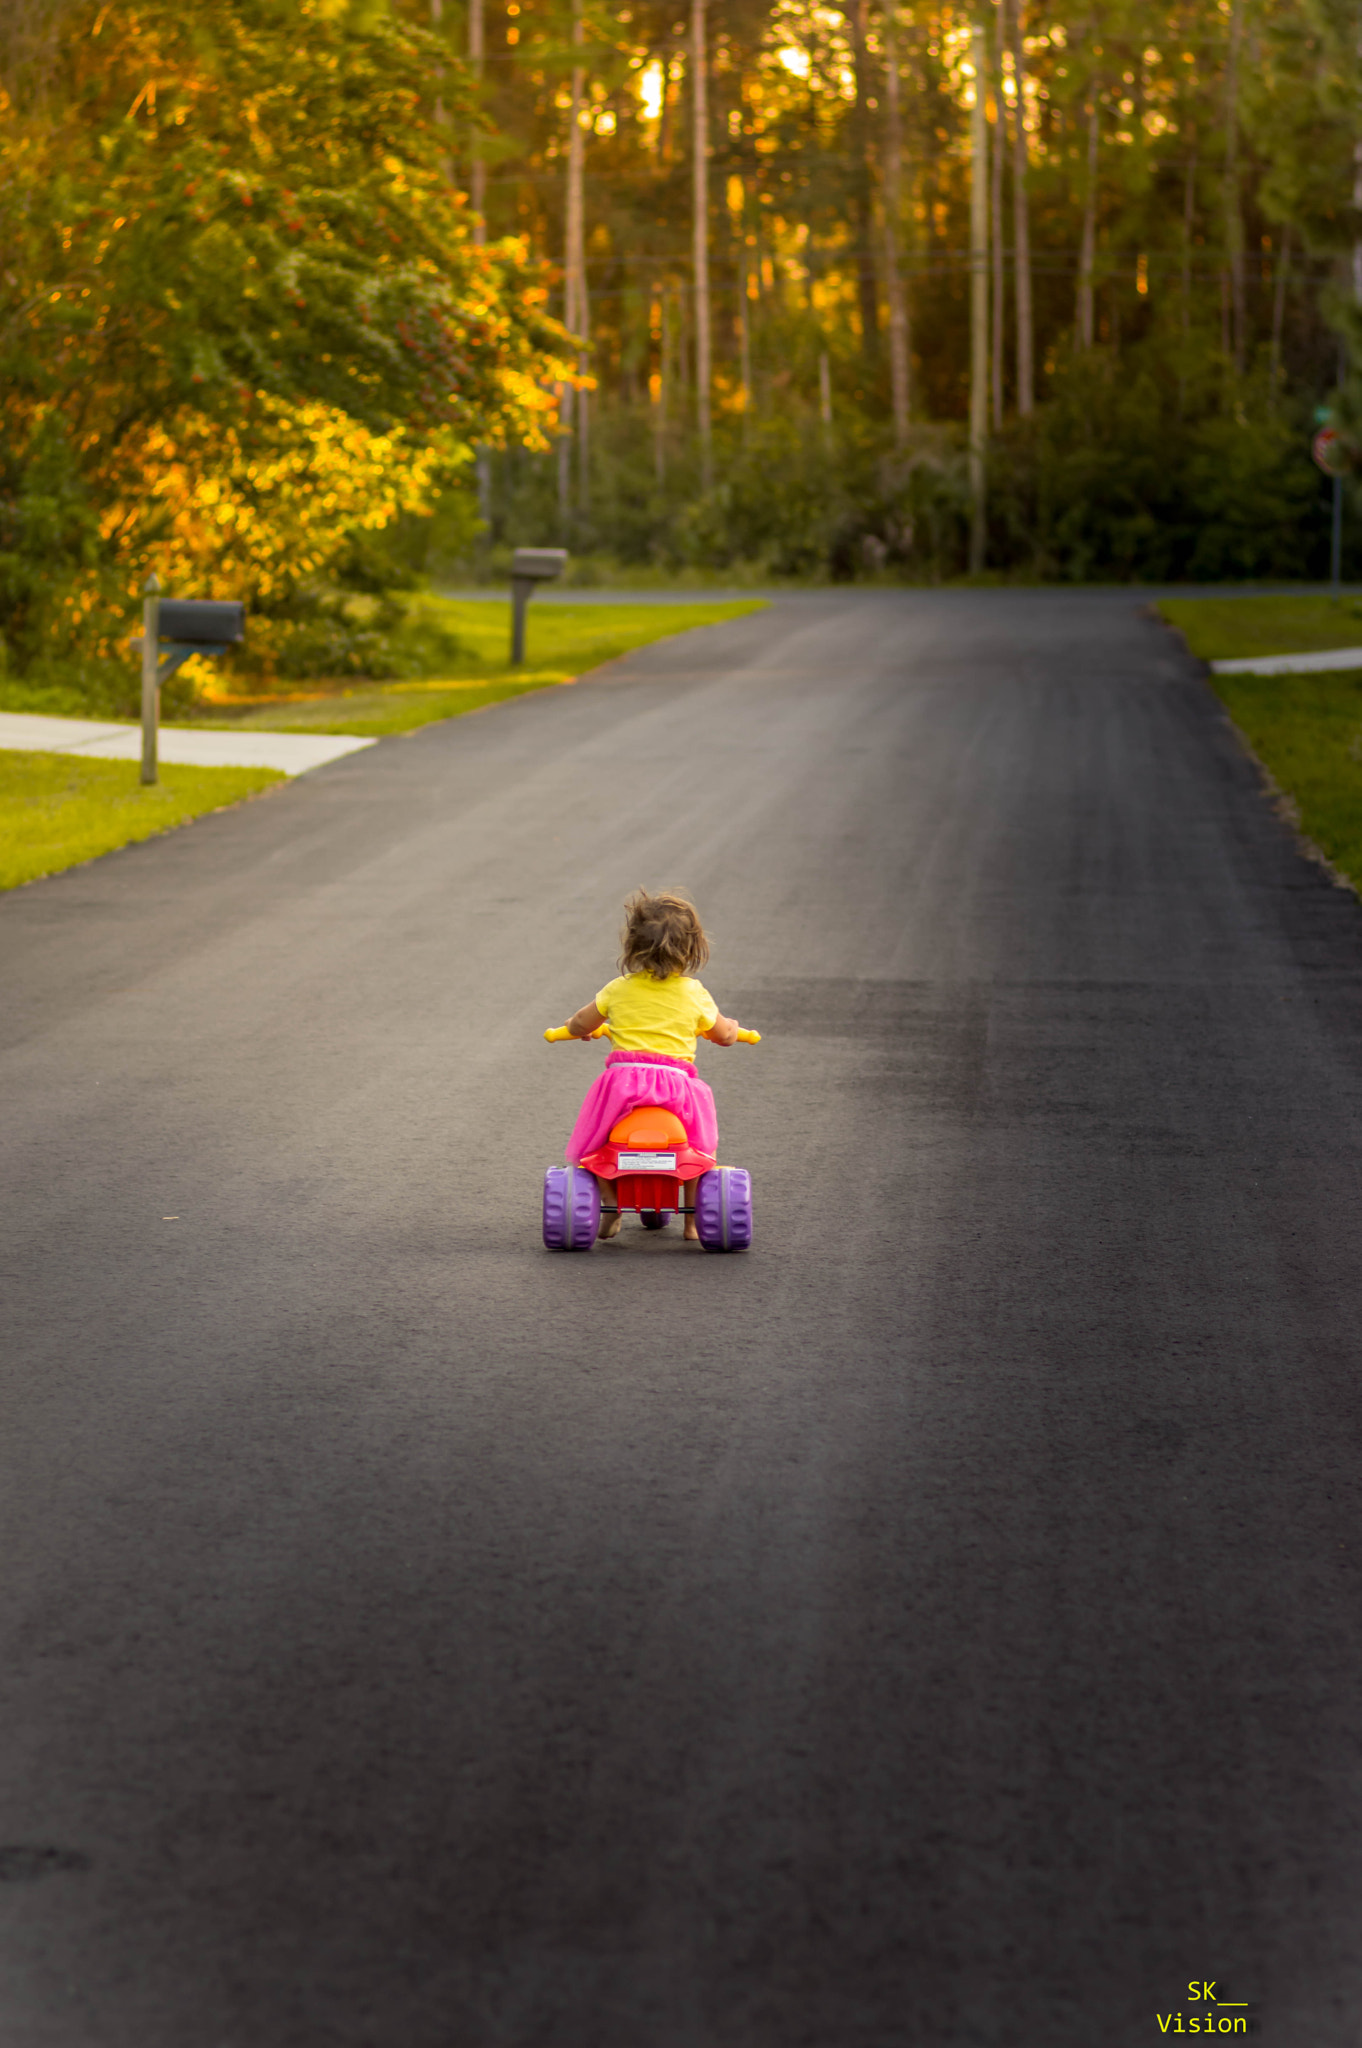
[{"x": 232, "y": 241}]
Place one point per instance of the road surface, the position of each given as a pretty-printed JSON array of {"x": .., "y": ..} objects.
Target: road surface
[{"x": 940, "y": 1626}]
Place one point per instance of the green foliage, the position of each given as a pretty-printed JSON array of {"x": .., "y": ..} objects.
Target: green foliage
[
  {"x": 1158, "y": 465},
  {"x": 313, "y": 632},
  {"x": 1154, "y": 464}
]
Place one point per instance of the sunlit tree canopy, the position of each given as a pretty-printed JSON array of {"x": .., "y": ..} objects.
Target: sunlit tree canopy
[{"x": 803, "y": 289}]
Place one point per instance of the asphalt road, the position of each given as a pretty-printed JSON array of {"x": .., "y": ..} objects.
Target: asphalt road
[{"x": 939, "y": 1626}]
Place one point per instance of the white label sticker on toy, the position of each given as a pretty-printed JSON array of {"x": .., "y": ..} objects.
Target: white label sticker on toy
[{"x": 647, "y": 1162}]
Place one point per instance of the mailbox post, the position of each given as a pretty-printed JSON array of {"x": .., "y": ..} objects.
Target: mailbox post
[
  {"x": 190, "y": 625},
  {"x": 528, "y": 567},
  {"x": 151, "y": 681}
]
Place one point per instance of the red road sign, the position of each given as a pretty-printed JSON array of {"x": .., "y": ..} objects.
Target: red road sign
[{"x": 1329, "y": 451}]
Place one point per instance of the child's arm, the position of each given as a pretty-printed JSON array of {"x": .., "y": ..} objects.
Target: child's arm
[
  {"x": 587, "y": 1020},
  {"x": 723, "y": 1031}
]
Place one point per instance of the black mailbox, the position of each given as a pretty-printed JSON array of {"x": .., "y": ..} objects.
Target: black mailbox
[{"x": 204, "y": 621}]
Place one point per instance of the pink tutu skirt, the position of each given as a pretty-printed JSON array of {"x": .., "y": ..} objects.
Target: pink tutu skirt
[{"x": 632, "y": 1079}]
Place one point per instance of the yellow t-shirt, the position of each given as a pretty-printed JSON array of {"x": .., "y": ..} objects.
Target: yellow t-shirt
[{"x": 656, "y": 1016}]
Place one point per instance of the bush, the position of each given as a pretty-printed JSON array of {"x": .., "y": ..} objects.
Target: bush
[{"x": 1159, "y": 464}]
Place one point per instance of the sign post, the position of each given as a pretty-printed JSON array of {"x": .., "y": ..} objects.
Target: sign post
[
  {"x": 1331, "y": 456},
  {"x": 191, "y": 625},
  {"x": 528, "y": 567}
]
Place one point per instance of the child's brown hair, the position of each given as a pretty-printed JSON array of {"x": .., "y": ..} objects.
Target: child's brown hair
[{"x": 662, "y": 935}]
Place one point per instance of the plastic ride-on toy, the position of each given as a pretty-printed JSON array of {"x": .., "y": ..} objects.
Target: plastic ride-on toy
[{"x": 650, "y": 1158}]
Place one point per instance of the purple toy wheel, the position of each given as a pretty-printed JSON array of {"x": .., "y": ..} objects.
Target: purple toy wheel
[
  {"x": 723, "y": 1209},
  {"x": 572, "y": 1209},
  {"x": 655, "y": 1219}
]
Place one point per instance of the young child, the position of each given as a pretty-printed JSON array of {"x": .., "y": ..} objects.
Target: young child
[{"x": 654, "y": 1011}]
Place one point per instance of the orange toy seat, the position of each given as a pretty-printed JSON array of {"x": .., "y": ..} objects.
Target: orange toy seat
[{"x": 650, "y": 1130}]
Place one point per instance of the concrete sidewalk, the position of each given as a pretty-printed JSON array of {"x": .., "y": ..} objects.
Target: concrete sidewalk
[
  {"x": 1289, "y": 664},
  {"x": 179, "y": 746}
]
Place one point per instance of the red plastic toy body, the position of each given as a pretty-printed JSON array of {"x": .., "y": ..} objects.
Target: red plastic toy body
[{"x": 649, "y": 1158}]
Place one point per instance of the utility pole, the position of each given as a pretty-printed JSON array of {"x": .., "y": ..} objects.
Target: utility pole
[
  {"x": 978, "y": 300},
  {"x": 700, "y": 168},
  {"x": 1021, "y": 230},
  {"x": 899, "y": 336}
]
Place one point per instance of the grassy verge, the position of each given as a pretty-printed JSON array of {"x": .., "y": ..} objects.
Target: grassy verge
[
  {"x": 562, "y": 642},
  {"x": 1307, "y": 732},
  {"x": 56, "y": 811},
  {"x": 1234, "y": 628}
]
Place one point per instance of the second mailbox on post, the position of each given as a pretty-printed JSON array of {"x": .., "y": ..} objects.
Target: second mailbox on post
[{"x": 528, "y": 567}]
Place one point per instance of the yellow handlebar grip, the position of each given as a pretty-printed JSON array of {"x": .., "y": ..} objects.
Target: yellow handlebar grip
[
  {"x": 557, "y": 1031},
  {"x": 749, "y": 1037}
]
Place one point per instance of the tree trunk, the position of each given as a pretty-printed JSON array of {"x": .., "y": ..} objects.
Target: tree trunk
[
  {"x": 584, "y": 398},
  {"x": 999, "y": 307},
  {"x": 477, "y": 198},
  {"x": 1021, "y": 233},
  {"x": 1083, "y": 311},
  {"x": 1188, "y": 230},
  {"x": 899, "y": 332},
  {"x": 437, "y": 15},
  {"x": 565, "y": 463},
  {"x": 744, "y": 338},
  {"x": 663, "y": 381},
  {"x": 1234, "y": 218},
  {"x": 477, "y": 173},
  {"x": 1279, "y": 307},
  {"x": 978, "y": 307},
  {"x": 574, "y": 272},
  {"x": 700, "y": 171},
  {"x": 864, "y": 186}
]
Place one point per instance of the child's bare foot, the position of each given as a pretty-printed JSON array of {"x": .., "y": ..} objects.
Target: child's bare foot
[
  {"x": 610, "y": 1225},
  {"x": 692, "y": 1235}
]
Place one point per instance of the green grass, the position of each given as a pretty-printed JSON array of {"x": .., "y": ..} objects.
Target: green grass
[
  {"x": 562, "y": 642},
  {"x": 1307, "y": 732},
  {"x": 56, "y": 811},
  {"x": 1233, "y": 628}
]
